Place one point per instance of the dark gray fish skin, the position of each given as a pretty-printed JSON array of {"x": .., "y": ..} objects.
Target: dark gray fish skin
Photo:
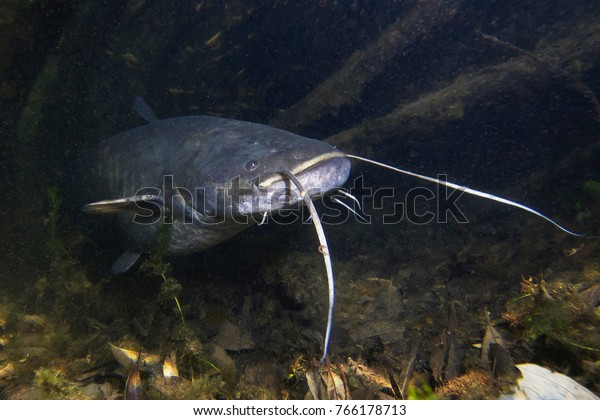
[{"x": 203, "y": 155}]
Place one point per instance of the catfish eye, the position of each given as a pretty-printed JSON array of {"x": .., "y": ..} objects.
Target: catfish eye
[{"x": 251, "y": 165}]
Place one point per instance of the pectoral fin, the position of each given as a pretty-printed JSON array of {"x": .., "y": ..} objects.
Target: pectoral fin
[
  {"x": 143, "y": 109},
  {"x": 124, "y": 262},
  {"x": 148, "y": 205}
]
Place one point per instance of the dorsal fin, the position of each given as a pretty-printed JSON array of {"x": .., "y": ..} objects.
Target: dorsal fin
[{"x": 143, "y": 109}]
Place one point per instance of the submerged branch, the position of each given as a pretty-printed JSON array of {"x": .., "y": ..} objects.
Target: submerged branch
[
  {"x": 470, "y": 89},
  {"x": 345, "y": 86},
  {"x": 546, "y": 64}
]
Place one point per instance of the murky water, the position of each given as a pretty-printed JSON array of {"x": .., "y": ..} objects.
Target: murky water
[{"x": 499, "y": 96}]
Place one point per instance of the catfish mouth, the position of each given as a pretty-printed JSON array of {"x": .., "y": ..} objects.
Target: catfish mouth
[
  {"x": 276, "y": 191},
  {"x": 323, "y": 172}
]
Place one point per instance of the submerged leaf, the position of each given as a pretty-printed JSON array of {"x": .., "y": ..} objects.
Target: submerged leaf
[
  {"x": 326, "y": 384},
  {"x": 446, "y": 357},
  {"x": 133, "y": 386},
  {"x": 316, "y": 386},
  {"x": 492, "y": 336},
  {"x": 471, "y": 385},
  {"x": 539, "y": 383},
  {"x": 170, "y": 366},
  {"x": 129, "y": 358},
  {"x": 336, "y": 388},
  {"x": 591, "y": 295},
  {"x": 7, "y": 371},
  {"x": 368, "y": 376},
  {"x": 503, "y": 367},
  {"x": 233, "y": 338},
  {"x": 437, "y": 360},
  {"x": 495, "y": 355}
]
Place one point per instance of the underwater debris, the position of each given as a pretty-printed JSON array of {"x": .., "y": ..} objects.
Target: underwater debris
[
  {"x": 233, "y": 338},
  {"x": 446, "y": 357},
  {"x": 591, "y": 295},
  {"x": 388, "y": 331},
  {"x": 556, "y": 314},
  {"x": 54, "y": 385},
  {"x": 491, "y": 336},
  {"x": 470, "y": 386},
  {"x": 315, "y": 384},
  {"x": 163, "y": 379},
  {"x": 496, "y": 357},
  {"x": 7, "y": 371},
  {"x": 220, "y": 357},
  {"x": 344, "y": 87},
  {"x": 448, "y": 350},
  {"x": 130, "y": 59},
  {"x": 130, "y": 358},
  {"x": 447, "y": 104},
  {"x": 170, "y": 366},
  {"x": 109, "y": 392},
  {"x": 548, "y": 66},
  {"x": 176, "y": 388},
  {"x": 368, "y": 376},
  {"x": 556, "y": 327},
  {"x": 539, "y": 383},
  {"x": 400, "y": 377},
  {"x": 215, "y": 41},
  {"x": 324, "y": 383},
  {"x": 37, "y": 321},
  {"x": 134, "y": 389},
  {"x": 261, "y": 381}
]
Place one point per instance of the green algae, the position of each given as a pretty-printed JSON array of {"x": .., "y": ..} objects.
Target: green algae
[
  {"x": 54, "y": 385},
  {"x": 592, "y": 188},
  {"x": 552, "y": 316},
  {"x": 157, "y": 265}
]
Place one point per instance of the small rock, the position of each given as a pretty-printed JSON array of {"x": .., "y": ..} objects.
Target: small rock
[{"x": 220, "y": 357}]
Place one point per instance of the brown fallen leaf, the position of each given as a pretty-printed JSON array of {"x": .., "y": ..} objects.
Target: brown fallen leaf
[
  {"x": 129, "y": 358},
  {"x": 591, "y": 295},
  {"x": 233, "y": 338}
]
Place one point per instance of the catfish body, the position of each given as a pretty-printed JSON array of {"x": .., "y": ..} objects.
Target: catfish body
[{"x": 208, "y": 178}]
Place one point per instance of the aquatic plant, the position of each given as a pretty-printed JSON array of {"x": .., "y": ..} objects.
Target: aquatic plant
[
  {"x": 419, "y": 389},
  {"x": 552, "y": 315},
  {"x": 158, "y": 266},
  {"x": 54, "y": 385},
  {"x": 592, "y": 188}
]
